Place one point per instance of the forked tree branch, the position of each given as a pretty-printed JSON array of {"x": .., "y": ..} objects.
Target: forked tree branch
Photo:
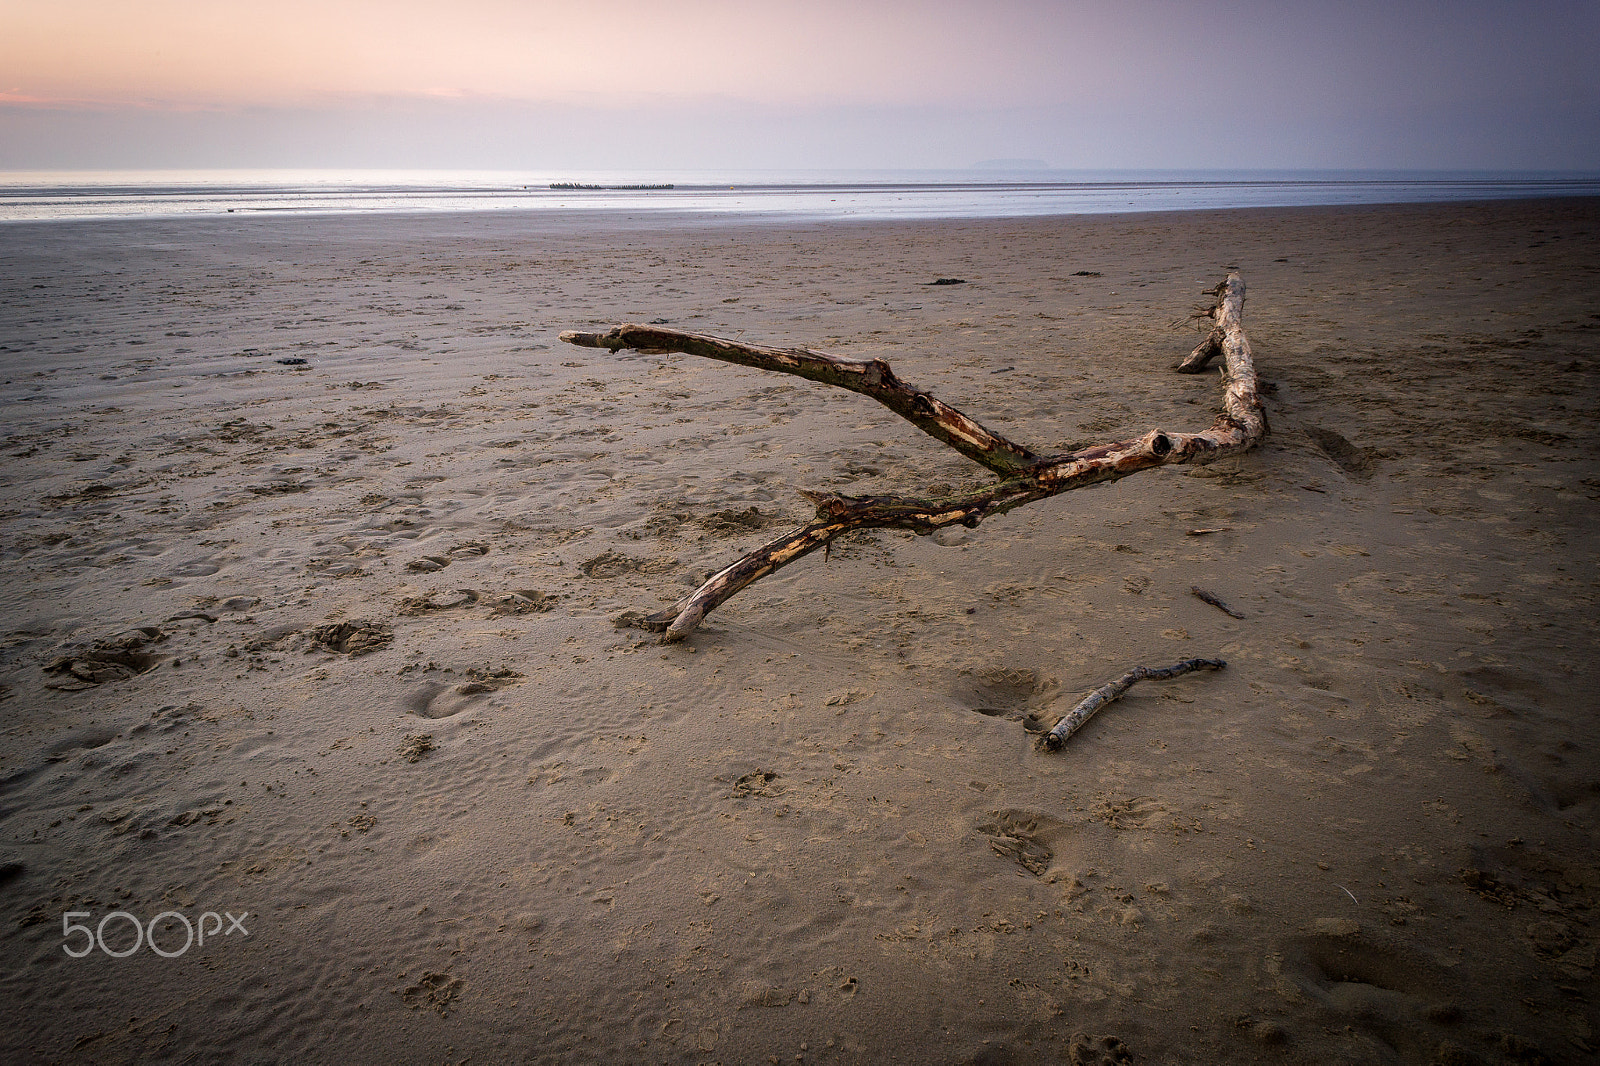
[{"x": 1026, "y": 476}]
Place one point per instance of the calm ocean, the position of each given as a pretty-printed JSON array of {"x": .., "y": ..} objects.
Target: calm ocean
[{"x": 789, "y": 196}]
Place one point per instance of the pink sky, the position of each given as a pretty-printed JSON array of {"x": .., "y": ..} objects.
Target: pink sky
[
  {"x": 936, "y": 83},
  {"x": 225, "y": 53}
]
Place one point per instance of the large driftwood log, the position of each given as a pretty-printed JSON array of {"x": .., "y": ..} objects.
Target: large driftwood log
[{"x": 1025, "y": 476}]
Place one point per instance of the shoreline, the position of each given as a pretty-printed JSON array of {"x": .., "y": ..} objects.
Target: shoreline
[
  {"x": 386, "y": 712},
  {"x": 524, "y": 221},
  {"x": 803, "y": 202}
]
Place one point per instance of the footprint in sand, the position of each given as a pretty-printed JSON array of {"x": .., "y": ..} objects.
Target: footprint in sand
[
  {"x": 438, "y": 601},
  {"x": 1396, "y": 994},
  {"x": 1357, "y": 463},
  {"x": 734, "y": 523},
  {"x": 1017, "y": 835},
  {"x": 355, "y": 637},
  {"x": 1017, "y": 695},
  {"x": 429, "y": 564},
  {"x": 434, "y": 991},
  {"x": 1130, "y": 812},
  {"x": 435, "y": 700},
  {"x": 1089, "y": 1050},
  {"x": 615, "y": 564},
  {"x": 117, "y": 659},
  {"x": 485, "y": 679},
  {"x": 417, "y": 746},
  {"x": 524, "y": 601},
  {"x": 758, "y": 783}
]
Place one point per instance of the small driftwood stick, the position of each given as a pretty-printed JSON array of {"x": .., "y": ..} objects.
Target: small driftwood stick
[
  {"x": 1026, "y": 476},
  {"x": 1085, "y": 710},
  {"x": 1213, "y": 601}
]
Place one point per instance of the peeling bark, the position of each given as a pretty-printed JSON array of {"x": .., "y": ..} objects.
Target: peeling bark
[{"x": 1025, "y": 476}]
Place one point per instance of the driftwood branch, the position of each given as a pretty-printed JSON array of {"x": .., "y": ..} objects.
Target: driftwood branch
[
  {"x": 1206, "y": 597},
  {"x": 1074, "y": 719},
  {"x": 870, "y": 377},
  {"x": 1025, "y": 476}
]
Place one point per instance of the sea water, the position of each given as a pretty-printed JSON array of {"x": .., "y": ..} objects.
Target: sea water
[{"x": 788, "y": 196}]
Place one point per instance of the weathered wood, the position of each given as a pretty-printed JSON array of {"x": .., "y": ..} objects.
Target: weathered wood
[
  {"x": 1026, "y": 477},
  {"x": 1074, "y": 719},
  {"x": 870, "y": 377},
  {"x": 1203, "y": 353},
  {"x": 1227, "y": 313},
  {"x": 1207, "y": 597}
]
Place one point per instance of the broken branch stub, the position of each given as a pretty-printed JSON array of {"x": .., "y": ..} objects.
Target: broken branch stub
[{"x": 1025, "y": 476}]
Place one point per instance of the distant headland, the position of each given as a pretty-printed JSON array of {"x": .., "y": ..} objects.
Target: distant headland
[{"x": 565, "y": 186}]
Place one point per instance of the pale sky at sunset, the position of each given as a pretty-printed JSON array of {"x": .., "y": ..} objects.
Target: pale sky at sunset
[{"x": 644, "y": 84}]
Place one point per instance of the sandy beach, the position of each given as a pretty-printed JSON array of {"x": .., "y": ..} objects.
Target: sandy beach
[{"x": 314, "y": 535}]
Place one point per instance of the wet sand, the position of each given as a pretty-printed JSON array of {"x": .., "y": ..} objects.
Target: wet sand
[{"x": 330, "y": 642}]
